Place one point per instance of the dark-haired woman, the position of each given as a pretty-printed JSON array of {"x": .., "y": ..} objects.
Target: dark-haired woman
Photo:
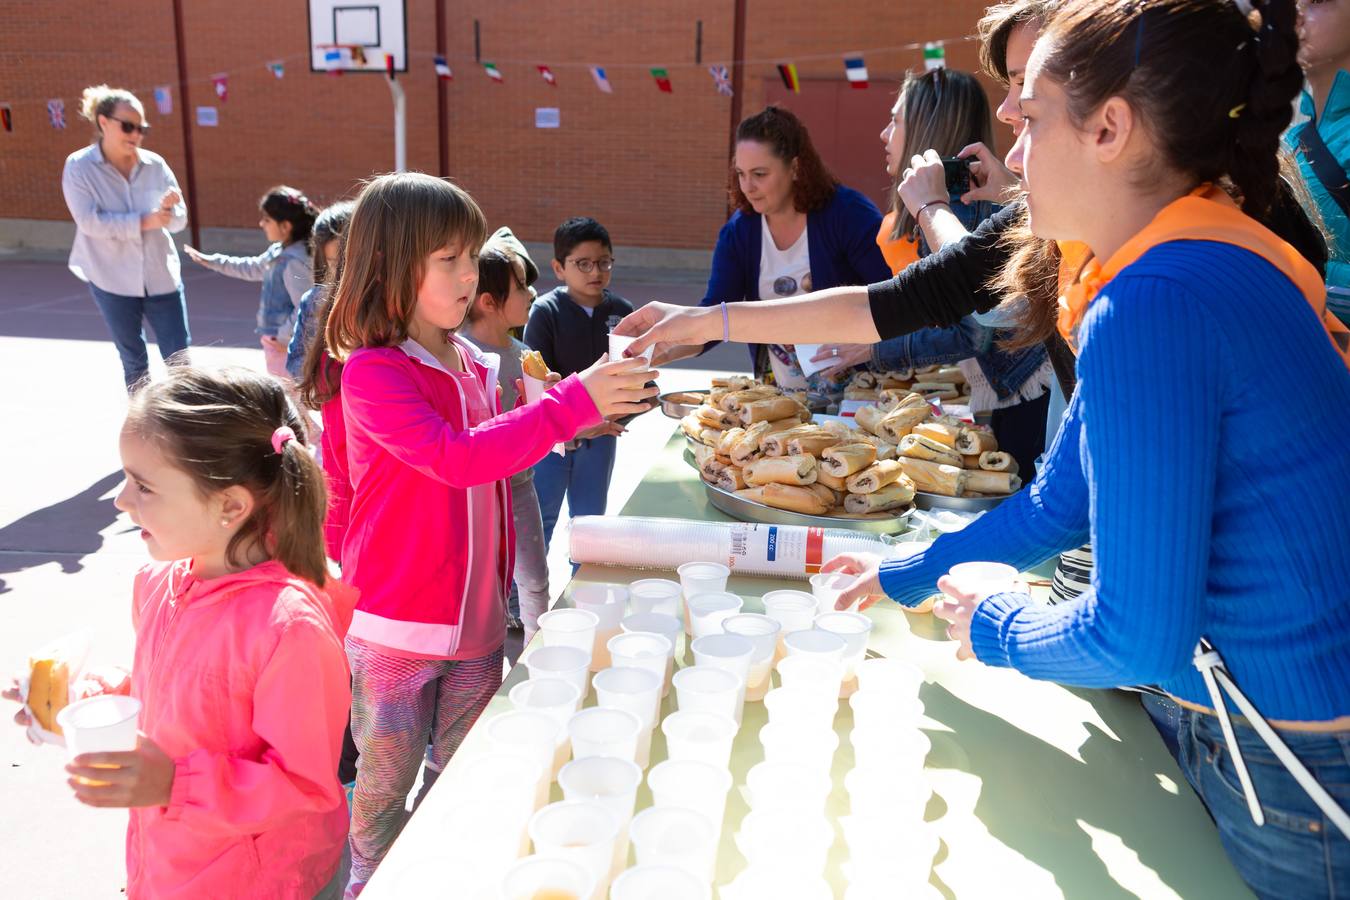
[
  {"x": 284, "y": 268},
  {"x": 125, "y": 202},
  {"x": 796, "y": 229}
]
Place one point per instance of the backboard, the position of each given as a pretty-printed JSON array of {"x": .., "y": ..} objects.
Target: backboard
[{"x": 354, "y": 35}]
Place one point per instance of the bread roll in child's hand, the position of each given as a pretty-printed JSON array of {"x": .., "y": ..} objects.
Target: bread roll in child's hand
[{"x": 533, "y": 365}]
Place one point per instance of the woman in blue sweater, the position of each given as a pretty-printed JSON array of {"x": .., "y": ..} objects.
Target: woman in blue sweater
[
  {"x": 796, "y": 229},
  {"x": 1211, "y": 499}
]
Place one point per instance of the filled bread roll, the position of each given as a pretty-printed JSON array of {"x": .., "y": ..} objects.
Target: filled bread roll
[
  {"x": 736, "y": 400},
  {"x": 865, "y": 394},
  {"x": 793, "y": 499},
  {"x": 975, "y": 441},
  {"x": 901, "y": 421},
  {"x": 864, "y": 380},
  {"x": 839, "y": 429},
  {"x": 947, "y": 375},
  {"x": 702, "y": 454},
  {"x": 845, "y": 459},
  {"x": 794, "y": 470},
  {"x": 886, "y": 450},
  {"x": 710, "y": 436},
  {"x": 712, "y": 417},
  {"x": 875, "y": 477},
  {"x": 812, "y": 444},
  {"x": 997, "y": 461},
  {"x": 892, "y": 496},
  {"x": 939, "y": 389},
  {"x": 833, "y": 482},
  {"x": 935, "y": 478},
  {"x": 869, "y": 418},
  {"x": 711, "y": 469},
  {"x": 970, "y": 462},
  {"x": 827, "y": 496},
  {"x": 916, "y": 446},
  {"x": 775, "y": 443},
  {"x": 943, "y": 432},
  {"x": 840, "y": 512},
  {"x": 746, "y": 447},
  {"x": 734, "y": 382},
  {"x": 768, "y": 410},
  {"x": 753, "y": 494},
  {"x": 992, "y": 482},
  {"x": 728, "y": 440},
  {"x": 731, "y": 478}
]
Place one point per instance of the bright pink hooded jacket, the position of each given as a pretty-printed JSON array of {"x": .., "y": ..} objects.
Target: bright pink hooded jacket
[
  {"x": 244, "y": 682},
  {"x": 412, "y": 458}
]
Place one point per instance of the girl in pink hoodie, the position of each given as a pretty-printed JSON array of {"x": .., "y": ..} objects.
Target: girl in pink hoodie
[
  {"x": 239, "y": 664},
  {"x": 429, "y": 537}
]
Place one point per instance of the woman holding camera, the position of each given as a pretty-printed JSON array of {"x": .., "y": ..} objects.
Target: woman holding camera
[{"x": 126, "y": 203}]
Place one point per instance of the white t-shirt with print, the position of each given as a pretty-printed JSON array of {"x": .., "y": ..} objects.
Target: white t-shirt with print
[{"x": 784, "y": 273}]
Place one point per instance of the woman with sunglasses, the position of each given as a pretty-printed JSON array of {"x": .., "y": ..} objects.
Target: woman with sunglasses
[{"x": 126, "y": 202}]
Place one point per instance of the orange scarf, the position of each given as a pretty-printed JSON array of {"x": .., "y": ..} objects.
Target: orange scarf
[
  {"x": 899, "y": 253},
  {"x": 1206, "y": 214}
]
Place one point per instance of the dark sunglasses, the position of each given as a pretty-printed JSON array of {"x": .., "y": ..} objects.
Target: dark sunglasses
[{"x": 129, "y": 127}]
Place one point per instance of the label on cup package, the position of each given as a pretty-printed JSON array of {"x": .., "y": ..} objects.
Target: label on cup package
[{"x": 776, "y": 549}]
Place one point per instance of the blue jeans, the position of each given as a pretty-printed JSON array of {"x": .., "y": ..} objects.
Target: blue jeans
[
  {"x": 167, "y": 314},
  {"x": 582, "y": 475},
  {"x": 1297, "y": 853}
]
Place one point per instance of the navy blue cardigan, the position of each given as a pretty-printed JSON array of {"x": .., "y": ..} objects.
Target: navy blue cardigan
[{"x": 841, "y": 240}]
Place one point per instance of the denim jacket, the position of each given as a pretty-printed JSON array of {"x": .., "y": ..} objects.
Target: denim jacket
[
  {"x": 285, "y": 272},
  {"x": 303, "y": 332},
  {"x": 1006, "y": 370}
]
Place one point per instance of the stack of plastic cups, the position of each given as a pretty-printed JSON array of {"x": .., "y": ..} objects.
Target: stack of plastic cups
[
  {"x": 555, "y": 698},
  {"x": 884, "y": 865},
  {"x": 544, "y": 876},
  {"x": 608, "y": 781},
  {"x": 793, "y": 611},
  {"x": 637, "y": 691},
  {"x": 700, "y": 578},
  {"x": 854, "y": 628},
  {"x": 692, "y": 784},
  {"x": 566, "y": 663},
  {"x": 799, "y": 707},
  {"x": 826, "y": 588},
  {"x": 726, "y": 651},
  {"x": 759, "y": 882},
  {"x": 664, "y": 624},
  {"x": 800, "y": 744},
  {"x": 673, "y": 836},
  {"x": 655, "y": 595},
  {"x": 761, "y": 631},
  {"x": 708, "y": 611},
  {"x": 529, "y": 734},
  {"x": 820, "y": 675},
  {"x": 790, "y": 787},
  {"x": 609, "y": 602},
  {"x": 583, "y": 831},
  {"x": 658, "y": 883}
]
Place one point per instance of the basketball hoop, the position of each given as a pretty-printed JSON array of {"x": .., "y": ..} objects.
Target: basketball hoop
[{"x": 368, "y": 36}]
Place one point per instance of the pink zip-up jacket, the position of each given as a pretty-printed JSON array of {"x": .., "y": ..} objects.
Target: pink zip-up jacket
[
  {"x": 334, "y": 443},
  {"x": 244, "y": 683},
  {"x": 412, "y": 459}
]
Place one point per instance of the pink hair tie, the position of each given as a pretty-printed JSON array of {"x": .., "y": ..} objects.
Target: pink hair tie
[{"x": 280, "y": 437}]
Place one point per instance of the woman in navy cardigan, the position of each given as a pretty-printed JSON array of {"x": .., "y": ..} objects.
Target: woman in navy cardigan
[{"x": 795, "y": 229}]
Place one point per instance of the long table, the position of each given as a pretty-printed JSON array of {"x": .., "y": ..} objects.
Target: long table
[{"x": 1040, "y": 790}]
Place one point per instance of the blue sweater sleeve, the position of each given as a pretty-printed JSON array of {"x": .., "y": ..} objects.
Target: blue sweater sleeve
[
  {"x": 1154, "y": 469},
  {"x": 727, "y": 280}
]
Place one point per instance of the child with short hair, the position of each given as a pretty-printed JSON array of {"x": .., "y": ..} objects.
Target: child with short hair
[
  {"x": 239, "y": 661},
  {"x": 430, "y": 541},
  {"x": 505, "y": 278},
  {"x": 570, "y": 326},
  {"x": 284, "y": 268}
]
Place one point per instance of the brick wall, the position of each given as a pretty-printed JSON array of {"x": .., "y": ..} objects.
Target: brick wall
[{"x": 651, "y": 166}]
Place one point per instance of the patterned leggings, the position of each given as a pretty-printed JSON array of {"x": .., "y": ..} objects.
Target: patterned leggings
[{"x": 398, "y": 707}]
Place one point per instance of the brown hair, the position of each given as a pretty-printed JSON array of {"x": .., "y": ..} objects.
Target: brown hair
[
  {"x": 944, "y": 111},
  {"x": 399, "y": 220},
  {"x": 500, "y": 271},
  {"x": 321, "y": 375},
  {"x": 288, "y": 204},
  {"x": 785, "y": 135},
  {"x": 997, "y": 25},
  {"x": 216, "y": 425},
  {"x": 101, "y": 100}
]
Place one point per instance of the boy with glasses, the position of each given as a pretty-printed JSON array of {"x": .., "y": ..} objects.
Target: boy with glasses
[{"x": 570, "y": 326}]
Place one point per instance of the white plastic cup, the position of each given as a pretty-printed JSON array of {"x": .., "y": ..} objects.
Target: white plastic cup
[
  {"x": 799, "y": 707},
  {"x": 485, "y": 833},
  {"x": 692, "y": 784},
  {"x": 655, "y": 595},
  {"x": 762, "y": 631},
  {"x": 895, "y": 792},
  {"x": 609, "y": 603},
  {"x": 566, "y": 663},
  {"x": 583, "y": 831},
  {"x": 876, "y": 855},
  {"x": 102, "y": 724},
  {"x": 665, "y": 624},
  {"x": 875, "y": 708},
  {"x": 892, "y": 676},
  {"x": 793, "y": 611},
  {"x": 726, "y": 651},
  {"x": 610, "y": 781},
  {"x": 567, "y": 627},
  {"x": 637, "y": 691},
  {"x": 641, "y": 650},
  {"x": 801, "y": 745},
  {"x": 700, "y": 578},
  {"x": 984, "y": 577},
  {"x": 790, "y": 842},
  {"x": 545, "y": 876},
  {"x": 672, "y": 836},
  {"x": 698, "y": 735},
  {"x": 854, "y": 628},
  {"x": 879, "y": 745},
  {"x": 787, "y": 786},
  {"x": 707, "y": 689},
  {"x": 814, "y": 642},
  {"x": 619, "y": 343},
  {"x": 553, "y": 697},
  {"x": 813, "y": 672},
  {"x": 708, "y": 611},
  {"x": 658, "y": 883},
  {"x": 759, "y": 882},
  {"x": 598, "y": 731},
  {"x": 826, "y": 588},
  {"x": 534, "y": 387},
  {"x": 529, "y": 734},
  {"x": 505, "y": 781}
]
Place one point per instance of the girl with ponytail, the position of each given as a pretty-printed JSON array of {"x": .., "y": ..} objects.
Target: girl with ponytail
[
  {"x": 1168, "y": 114},
  {"x": 239, "y": 662}
]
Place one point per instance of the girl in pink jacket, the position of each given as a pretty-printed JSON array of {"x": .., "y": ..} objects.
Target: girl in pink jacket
[
  {"x": 429, "y": 537},
  {"x": 239, "y": 663}
]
